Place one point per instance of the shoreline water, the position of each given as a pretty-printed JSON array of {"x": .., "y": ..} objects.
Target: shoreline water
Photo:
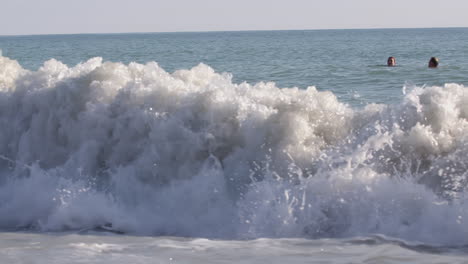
[
  {"x": 72, "y": 248},
  {"x": 280, "y": 136}
]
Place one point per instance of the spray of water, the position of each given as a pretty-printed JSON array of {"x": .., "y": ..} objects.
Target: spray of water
[{"x": 136, "y": 149}]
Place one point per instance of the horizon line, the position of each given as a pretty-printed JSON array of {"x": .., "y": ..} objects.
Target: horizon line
[{"x": 221, "y": 31}]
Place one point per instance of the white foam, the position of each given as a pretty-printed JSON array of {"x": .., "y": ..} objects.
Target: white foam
[{"x": 191, "y": 153}]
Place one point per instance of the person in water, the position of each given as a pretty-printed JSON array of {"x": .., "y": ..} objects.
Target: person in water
[
  {"x": 391, "y": 62},
  {"x": 433, "y": 62}
]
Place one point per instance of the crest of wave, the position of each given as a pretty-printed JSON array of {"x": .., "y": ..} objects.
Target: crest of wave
[{"x": 190, "y": 153}]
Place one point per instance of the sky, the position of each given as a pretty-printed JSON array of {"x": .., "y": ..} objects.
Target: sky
[{"x": 24, "y": 17}]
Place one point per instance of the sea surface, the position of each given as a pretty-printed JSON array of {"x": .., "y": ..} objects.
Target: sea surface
[{"x": 234, "y": 147}]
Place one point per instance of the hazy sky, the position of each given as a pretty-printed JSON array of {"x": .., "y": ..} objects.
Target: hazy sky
[{"x": 107, "y": 16}]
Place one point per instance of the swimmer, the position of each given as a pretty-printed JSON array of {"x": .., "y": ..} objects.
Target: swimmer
[
  {"x": 433, "y": 62},
  {"x": 391, "y": 62}
]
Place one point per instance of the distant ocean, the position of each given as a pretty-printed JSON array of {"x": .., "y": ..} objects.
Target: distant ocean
[{"x": 234, "y": 147}]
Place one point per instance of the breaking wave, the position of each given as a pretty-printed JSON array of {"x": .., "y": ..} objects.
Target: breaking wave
[{"x": 135, "y": 149}]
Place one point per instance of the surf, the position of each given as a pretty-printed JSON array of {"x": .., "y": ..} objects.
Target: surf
[{"x": 191, "y": 153}]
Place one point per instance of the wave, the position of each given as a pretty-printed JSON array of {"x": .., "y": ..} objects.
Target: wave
[{"x": 135, "y": 149}]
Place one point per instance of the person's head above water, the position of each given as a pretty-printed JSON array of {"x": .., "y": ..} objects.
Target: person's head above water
[
  {"x": 433, "y": 62},
  {"x": 391, "y": 61}
]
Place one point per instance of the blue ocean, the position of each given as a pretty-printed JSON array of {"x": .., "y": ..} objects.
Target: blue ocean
[{"x": 247, "y": 147}]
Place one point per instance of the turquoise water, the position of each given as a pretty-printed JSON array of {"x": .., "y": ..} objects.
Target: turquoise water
[
  {"x": 169, "y": 160},
  {"x": 350, "y": 63}
]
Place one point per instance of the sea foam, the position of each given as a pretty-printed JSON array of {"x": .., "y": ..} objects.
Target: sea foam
[{"x": 136, "y": 149}]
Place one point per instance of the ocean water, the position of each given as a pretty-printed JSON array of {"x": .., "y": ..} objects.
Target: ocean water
[
  {"x": 346, "y": 62},
  {"x": 221, "y": 147}
]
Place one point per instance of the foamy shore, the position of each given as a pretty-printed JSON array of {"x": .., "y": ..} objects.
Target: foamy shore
[{"x": 191, "y": 153}]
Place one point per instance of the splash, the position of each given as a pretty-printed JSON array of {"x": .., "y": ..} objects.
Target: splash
[{"x": 135, "y": 149}]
